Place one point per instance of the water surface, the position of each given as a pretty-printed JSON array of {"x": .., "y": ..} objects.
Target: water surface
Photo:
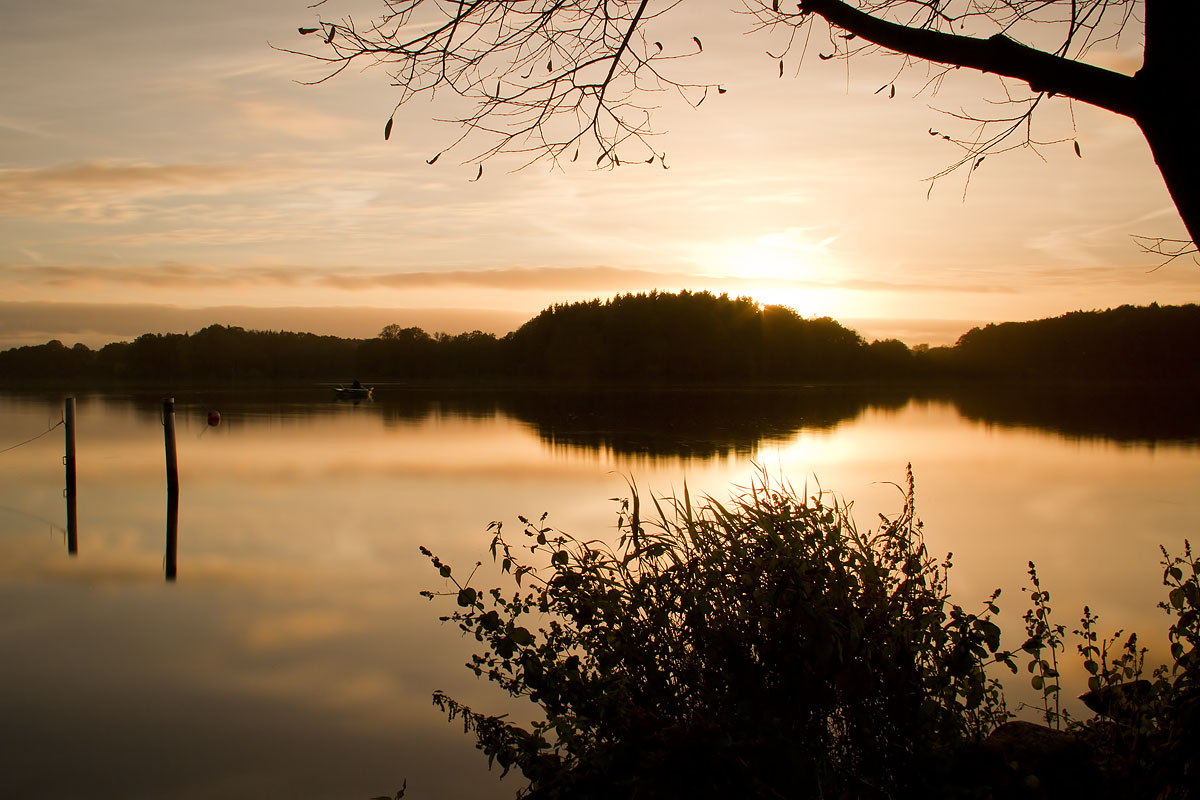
[{"x": 292, "y": 655}]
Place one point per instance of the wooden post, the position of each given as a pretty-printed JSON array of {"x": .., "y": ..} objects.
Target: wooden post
[
  {"x": 69, "y": 461},
  {"x": 172, "y": 534},
  {"x": 168, "y": 420}
]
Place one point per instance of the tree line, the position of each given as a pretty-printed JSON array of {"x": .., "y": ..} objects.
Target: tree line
[{"x": 649, "y": 338}]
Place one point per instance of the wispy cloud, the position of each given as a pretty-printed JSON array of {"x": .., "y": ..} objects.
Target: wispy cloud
[
  {"x": 27, "y": 127},
  {"x": 294, "y": 120},
  {"x": 600, "y": 278},
  {"x": 514, "y": 278},
  {"x": 567, "y": 281},
  {"x": 107, "y": 191}
]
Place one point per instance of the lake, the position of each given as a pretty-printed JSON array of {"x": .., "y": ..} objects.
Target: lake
[{"x": 292, "y": 656}]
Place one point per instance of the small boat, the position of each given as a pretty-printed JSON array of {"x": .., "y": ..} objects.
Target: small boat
[{"x": 353, "y": 392}]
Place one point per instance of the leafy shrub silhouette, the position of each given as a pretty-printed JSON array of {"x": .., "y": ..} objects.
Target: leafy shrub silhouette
[
  {"x": 762, "y": 647},
  {"x": 1146, "y": 735}
]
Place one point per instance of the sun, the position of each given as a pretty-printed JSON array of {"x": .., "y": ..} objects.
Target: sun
[
  {"x": 794, "y": 254},
  {"x": 789, "y": 267}
]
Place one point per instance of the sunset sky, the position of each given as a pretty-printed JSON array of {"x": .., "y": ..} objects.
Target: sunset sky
[{"x": 162, "y": 168}]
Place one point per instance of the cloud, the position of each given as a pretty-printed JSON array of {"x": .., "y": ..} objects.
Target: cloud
[
  {"x": 110, "y": 175},
  {"x": 114, "y": 191},
  {"x": 293, "y": 120},
  {"x": 172, "y": 275},
  {"x": 516, "y": 278},
  {"x": 167, "y": 275},
  {"x": 23, "y": 126}
]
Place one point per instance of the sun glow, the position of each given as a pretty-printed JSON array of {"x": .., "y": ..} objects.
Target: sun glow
[
  {"x": 794, "y": 254},
  {"x": 789, "y": 267},
  {"x": 805, "y": 302}
]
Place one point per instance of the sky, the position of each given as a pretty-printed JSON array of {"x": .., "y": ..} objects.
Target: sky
[{"x": 163, "y": 167}]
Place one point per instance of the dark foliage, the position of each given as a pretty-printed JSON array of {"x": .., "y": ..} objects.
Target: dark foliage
[
  {"x": 1129, "y": 343},
  {"x": 766, "y": 648},
  {"x": 653, "y": 339},
  {"x": 759, "y": 648},
  {"x": 1147, "y": 731},
  {"x": 688, "y": 336}
]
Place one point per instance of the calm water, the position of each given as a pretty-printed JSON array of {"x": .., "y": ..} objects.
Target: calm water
[{"x": 293, "y": 657}]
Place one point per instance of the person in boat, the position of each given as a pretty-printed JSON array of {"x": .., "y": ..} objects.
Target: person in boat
[{"x": 356, "y": 384}]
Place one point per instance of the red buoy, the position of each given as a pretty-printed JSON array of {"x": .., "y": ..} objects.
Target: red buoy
[{"x": 214, "y": 419}]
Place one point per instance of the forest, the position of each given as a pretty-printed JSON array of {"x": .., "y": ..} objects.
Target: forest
[{"x": 649, "y": 338}]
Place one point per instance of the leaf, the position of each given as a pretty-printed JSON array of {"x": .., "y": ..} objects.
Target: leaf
[
  {"x": 478, "y": 175},
  {"x": 696, "y": 39},
  {"x": 1037, "y": 682},
  {"x": 445, "y": 571},
  {"x": 781, "y": 67},
  {"x": 329, "y": 38},
  {"x": 1077, "y": 152},
  {"x": 721, "y": 90},
  {"x": 892, "y": 93},
  {"x": 306, "y": 32},
  {"x": 824, "y": 57},
  {"x": 550, "y": 65},
  {"x": 522, "y": 637},
  {"x": 466, "y": 597},
  {"x": 434, "y": 161},
  {"x": 387, "y": 129},
  {"x": 659, "y": 46}
]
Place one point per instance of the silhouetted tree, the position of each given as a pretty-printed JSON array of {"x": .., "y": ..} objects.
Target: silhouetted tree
[
  {"x": 652, "y": 338},
  {"x": 1129, "y": 343},
  {"x": 684, "y": 337},
  {"x": 50, "y": 360},
  {"x": 542, "y": 77}
]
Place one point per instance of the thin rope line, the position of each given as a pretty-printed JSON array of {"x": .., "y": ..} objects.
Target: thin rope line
[{"x": 34, "y": 439}]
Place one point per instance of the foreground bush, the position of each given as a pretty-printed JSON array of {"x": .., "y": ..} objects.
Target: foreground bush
[
  {"x": 766, "y": 647},
  {"x": 1146, "y": 735},
  {"x": 760, "y": 648}
]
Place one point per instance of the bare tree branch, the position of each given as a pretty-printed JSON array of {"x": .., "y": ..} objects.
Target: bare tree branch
[
  {"x": 549, "y": 79},
  {"x": 1044, "y": 72},
  {"x": 543, "y": 79},
  {"x": 1170, "y": 249}
]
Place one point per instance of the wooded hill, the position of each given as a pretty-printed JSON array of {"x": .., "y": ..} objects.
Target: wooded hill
[{"x": 650, "y": 338}]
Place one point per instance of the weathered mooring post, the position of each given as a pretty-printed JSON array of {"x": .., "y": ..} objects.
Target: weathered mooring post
[
  {"x": 69, "y": 462},
  {"x": 168, "y": 421},
  {"x": 172, "y": 535}
]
